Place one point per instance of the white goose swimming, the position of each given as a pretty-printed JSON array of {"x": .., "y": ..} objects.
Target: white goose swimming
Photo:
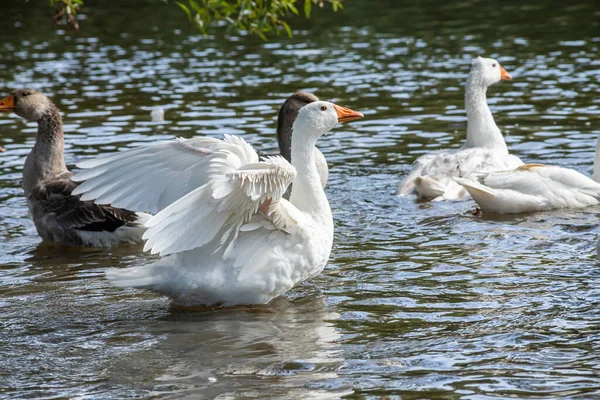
[
  {"x": 233, "y": 239},
  {"x": 484, "y": 150},
  {"x": 534, "y": 187}
]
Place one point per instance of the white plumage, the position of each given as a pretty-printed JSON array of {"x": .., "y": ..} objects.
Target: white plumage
[
  {"x": 433, "y": 174},
  {"x": 230, "y": 237},
  {"x": 532, "y": 187},
  {"x": 147, "y": 178}
]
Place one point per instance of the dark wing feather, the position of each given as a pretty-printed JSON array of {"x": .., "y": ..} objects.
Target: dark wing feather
[{"x": 71, "y": 213}]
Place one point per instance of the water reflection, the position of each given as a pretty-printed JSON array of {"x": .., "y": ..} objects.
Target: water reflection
[{"x": 291, "y": 346}]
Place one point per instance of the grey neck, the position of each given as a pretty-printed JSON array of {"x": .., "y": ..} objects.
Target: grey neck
[
  {"x": 46, "y": 159},
  {"x": 482, "y": 130}
]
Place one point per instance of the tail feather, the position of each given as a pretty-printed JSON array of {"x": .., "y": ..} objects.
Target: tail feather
[
  {"x": 428, "y": 187},
  {"x": 406, "y": 187},
  {"x": 140, "y": 277},
  {"x": 591, "y": 192},
  {"x": 142, "y": 218},
  {"x": 478, "y": 191}
]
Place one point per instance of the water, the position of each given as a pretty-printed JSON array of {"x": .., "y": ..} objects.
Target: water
[{"x": 417, "y": 301}]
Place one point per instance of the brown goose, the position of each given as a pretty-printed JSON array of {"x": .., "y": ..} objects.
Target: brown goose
[{"x": 60, "y": 217}]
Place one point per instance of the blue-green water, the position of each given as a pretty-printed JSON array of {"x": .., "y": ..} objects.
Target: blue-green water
[{"x": 418, "y": 301}]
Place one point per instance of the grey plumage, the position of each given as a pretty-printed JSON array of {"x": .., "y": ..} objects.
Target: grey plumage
[{"x": 59, "y": 216}]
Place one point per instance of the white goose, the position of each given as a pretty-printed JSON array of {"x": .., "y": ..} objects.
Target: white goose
[
  {"x": 233, "y": 239},
  {"x": 483, "y": 151},
  {"x": 534, "y": 187},
  {"x": 285, "y": 118}
]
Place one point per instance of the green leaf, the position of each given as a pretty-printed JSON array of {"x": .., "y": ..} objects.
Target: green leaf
[
  {"x": 286, "y": 27},
  {"x": 261, "y": 35},
  {"x": 307, "y": 7},
  {"x": 196, "y": 7},
  {"x": 262, "y": 18},
  {"x": 293, "y": 8},
  {"x": 185, "y": 9}
]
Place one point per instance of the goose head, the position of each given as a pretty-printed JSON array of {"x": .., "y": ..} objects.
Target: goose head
[
  {"x": 27, "y": 103},
  {"x": 486, "y": 71},
  {"x": 286, "y": 117},
  {"x": 319, "y": 117}
]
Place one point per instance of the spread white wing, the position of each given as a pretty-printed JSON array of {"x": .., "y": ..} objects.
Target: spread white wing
[
  {"x": 237, "y": 191},
  {"x": 148, "y": 178},
  {"x": 218, "y": 187}
]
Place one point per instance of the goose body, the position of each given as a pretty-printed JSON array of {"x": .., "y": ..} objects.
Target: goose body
[
  {"x": 226, "y": 234},
  {"x": 60, "y": 217},
  {"x": 432, "y": 177},
  {"x": 530, "y": 188}
]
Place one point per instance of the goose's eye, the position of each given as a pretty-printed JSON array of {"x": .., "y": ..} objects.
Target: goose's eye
[
  {"x": 323, "y": 108},
  {"x": 494, "y": 65},
  {"x": 26, "y": 94}
]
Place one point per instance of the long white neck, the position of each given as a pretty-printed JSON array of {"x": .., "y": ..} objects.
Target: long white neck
[
  {"x": 307, "y": 192},
  {"x": 596, "y": 175},
  {"x": 482, "y": 130}
]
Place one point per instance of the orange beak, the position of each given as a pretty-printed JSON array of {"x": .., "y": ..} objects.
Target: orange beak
[
  {"x": 345, "y": 114},
  {"x": 504, "y": 76},
  {"x": 7, "y": 104}
]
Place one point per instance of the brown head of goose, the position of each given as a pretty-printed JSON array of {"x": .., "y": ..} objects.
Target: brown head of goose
[{"x": 59, "y": 216}]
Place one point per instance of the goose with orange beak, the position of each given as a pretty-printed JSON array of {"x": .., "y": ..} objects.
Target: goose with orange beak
[
  {"x": 233, "y": 239},
  {"x": 285, "y": 119},
  {"x": 60, "y": 217},
  {"x": 432, "y": 176}
]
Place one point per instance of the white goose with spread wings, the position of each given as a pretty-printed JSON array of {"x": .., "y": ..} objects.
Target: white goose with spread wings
[
  {"x": 226, "y": 233},
  {"x": 432, "y": 177}
]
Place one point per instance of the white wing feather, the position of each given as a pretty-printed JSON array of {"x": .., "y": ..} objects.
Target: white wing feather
[
  {"x": 238, "y": 185},
  {"x": 533, "y": 179},
  {"x": 433, "y": 174},
  {"x": 532, "y": 187},
  {"x": 148, "y": 178}
]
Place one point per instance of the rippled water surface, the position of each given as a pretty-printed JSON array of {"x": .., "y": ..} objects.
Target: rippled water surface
[{"x": 417, "y": 301}]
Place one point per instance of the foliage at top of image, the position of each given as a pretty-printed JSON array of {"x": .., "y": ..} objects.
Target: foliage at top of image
[
  {"x": 66, "y": 10},
  {"x": 257, "y": 17}
]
